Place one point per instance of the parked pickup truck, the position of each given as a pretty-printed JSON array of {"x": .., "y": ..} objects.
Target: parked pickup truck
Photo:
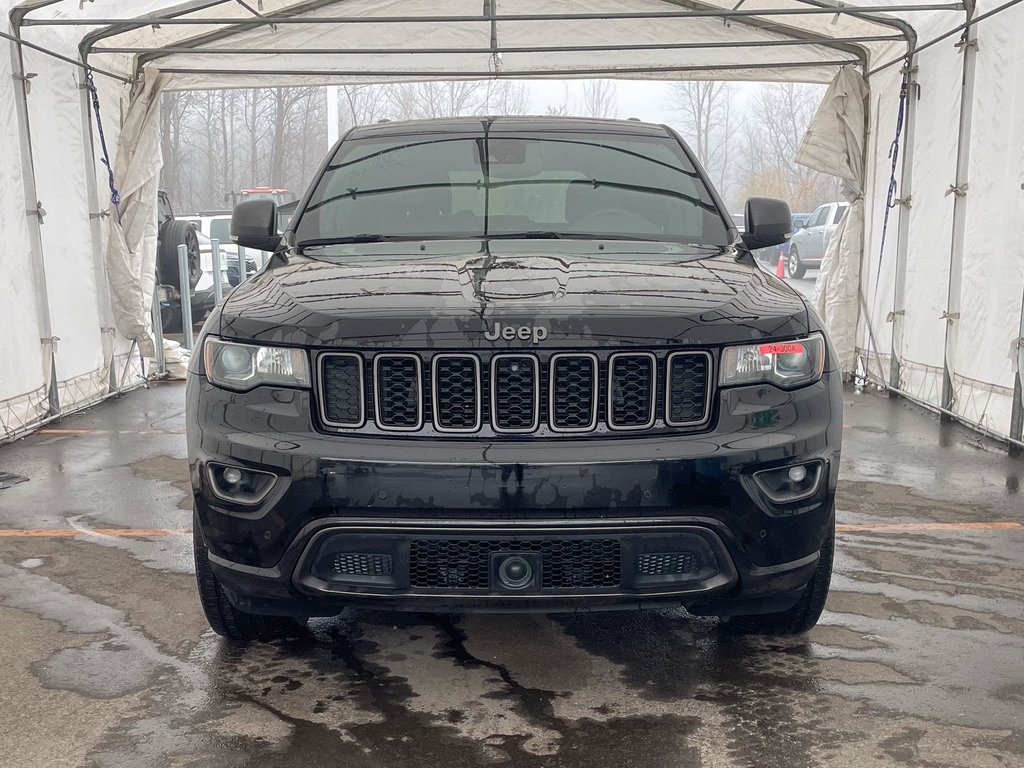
[{"x": 808, "y": 245}]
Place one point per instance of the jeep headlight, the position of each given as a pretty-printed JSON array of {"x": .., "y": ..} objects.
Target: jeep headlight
[
  {"x": 786, "y": 364},
  {"x": 244, "y": 366}
]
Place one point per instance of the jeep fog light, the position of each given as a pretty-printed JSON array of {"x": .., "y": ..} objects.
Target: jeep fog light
[
  {"x": 793, "y": 483},
  {"x": 238, "y": 484},
  {"x": 786, "y": 364}
]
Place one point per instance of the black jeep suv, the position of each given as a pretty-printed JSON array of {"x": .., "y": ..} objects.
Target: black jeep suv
[{"x": 501, "y": 364}]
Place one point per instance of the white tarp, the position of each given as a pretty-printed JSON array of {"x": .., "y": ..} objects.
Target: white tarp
[
  {"x": 132, "y": 240},
  {"x": 834, "y": 144},
  {"x": 94, "y": 302},
  {"x": 23, "y": 366}
]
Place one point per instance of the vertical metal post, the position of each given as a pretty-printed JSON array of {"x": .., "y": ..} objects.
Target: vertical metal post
[
  {"x": 158, "y": 334},
  {"x": 969, "y": 48},
  {"x": 186, "y": 297},
  {"x": 33, "y": 211},
  {"x": 243, "y": 271},
  {"x": 903, "y": 233},
  {"x": 96, "y": 236},
  {"x": 1017, "y": 412},
  {"x": 218, "y": 287}
]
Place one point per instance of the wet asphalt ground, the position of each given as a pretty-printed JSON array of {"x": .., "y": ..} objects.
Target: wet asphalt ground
[{"x": 107, "y": 660}]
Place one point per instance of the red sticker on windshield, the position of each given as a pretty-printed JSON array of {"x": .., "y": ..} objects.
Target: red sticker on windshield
[{"x": 781, "y": 349}]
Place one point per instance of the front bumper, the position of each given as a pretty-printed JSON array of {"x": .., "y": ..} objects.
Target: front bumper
[{"x": 639, "y": 492}]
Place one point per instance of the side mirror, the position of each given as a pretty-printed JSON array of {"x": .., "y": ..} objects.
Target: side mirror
[
  {"x": 769, "y": 222},
  {"x": 254, "y": 225}
]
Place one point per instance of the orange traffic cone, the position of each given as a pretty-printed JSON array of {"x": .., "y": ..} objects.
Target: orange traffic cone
[{"x": 780, "y": 268}]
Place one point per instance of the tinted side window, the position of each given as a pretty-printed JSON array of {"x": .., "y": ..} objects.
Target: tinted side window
[{"x": 841, "y": 213}]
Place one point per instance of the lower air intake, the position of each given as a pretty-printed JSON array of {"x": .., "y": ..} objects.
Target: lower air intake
[
  {"x": 667, "y": 563},
  {"x": 359, "y": 564}
]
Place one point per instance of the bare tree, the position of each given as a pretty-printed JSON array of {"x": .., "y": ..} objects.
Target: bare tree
[
  {"x": 174, "y": 113},
  {"x": 504, "y": 97},
  {"x": 777, "y": 119},
  {"x": 363, "y": 104},
  {"x": 449, "y": 98},
  {"x": 600, "y": 98},
  {"x": 706, "y": 112}
]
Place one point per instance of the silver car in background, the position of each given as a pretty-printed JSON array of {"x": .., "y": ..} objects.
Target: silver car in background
[{"x": 807, "y": 246}]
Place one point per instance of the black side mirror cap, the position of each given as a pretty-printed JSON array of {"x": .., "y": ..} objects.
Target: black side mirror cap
[
  {"x": 768, "y": 222},
  {"x": 254, "y": 225}
]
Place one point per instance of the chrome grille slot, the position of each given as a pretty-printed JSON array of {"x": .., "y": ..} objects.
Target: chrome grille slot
[
  {"x": 687, "y": 394},
  {"x": 456, "y": 393},
  {"x": 341, "y": 396},
  {"x": 515, "y": 393},
  {"x": 632, "y": 389},
  {"x": 397, "y": 395},
  {"x": 572, "y": 392}
]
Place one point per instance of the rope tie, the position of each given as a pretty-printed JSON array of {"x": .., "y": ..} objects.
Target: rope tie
[
  {"x": 115, "y": 196},
  {"x": 891, "y": 201}
]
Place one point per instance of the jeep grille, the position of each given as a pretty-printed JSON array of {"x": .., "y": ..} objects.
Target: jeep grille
[{"x": 557, "y": 393}]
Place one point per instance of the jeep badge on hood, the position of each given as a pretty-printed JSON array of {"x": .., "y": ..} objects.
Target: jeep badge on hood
[{"x": 536, "y": 333}]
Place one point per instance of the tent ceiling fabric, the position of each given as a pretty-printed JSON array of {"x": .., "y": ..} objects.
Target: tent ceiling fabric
[{"x": 460, "y": 38}]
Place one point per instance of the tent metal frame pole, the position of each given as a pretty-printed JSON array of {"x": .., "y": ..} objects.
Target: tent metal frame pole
[
  {"x": 823, "y": 41},
  {"x": 95, "y": 219},
  {"x": 969, "y": 49},
  {"x": 1017, "y": 409},
  {"x": 947, "y": 34},
  {"x": 413, "y": 75},
  {"x": 771, "y": 26},
  {"x": 906, "y": 192},
  {"x": 866, "y": 14},
  {"x": 34, "y": 212}
]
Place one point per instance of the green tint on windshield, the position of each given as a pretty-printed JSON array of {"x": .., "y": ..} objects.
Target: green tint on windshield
[{"x": 470, "y": 186}]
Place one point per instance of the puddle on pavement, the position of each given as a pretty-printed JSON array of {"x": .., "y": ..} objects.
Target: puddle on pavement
[{"x": 168, "y": 469}]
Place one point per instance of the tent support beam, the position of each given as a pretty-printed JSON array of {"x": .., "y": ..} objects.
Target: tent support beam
[
  {"x": 173, "y": 14},
  {"x": 969, "y": 50},
  {"x": 413, "y": 75},
  {"x": 824, "y": 41},
  {"x": 906, "y": 191},
  {"x": 28, "y": 176},
  {"x": 864, "y": 14},
  {"x": 774, "y": 27},
  {"x": 1017, "y": 412}
]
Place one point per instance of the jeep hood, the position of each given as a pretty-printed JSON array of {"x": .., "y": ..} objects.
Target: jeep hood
[{"x": 448, "y": 294}]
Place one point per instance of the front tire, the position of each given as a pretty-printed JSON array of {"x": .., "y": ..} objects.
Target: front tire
[
  {"x": 794, "y": 266},
  {"x": 226, "y": 620},
  {"x": 802, "y": 616}
]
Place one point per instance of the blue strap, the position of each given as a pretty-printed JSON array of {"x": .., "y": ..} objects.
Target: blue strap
[{"x": 115, "y": 196}]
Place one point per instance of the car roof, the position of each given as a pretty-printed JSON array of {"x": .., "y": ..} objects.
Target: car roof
[{"x": 539, "y": 123}]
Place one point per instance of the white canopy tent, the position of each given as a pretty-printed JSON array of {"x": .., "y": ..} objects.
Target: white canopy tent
[{"x": 923, "y": 289}]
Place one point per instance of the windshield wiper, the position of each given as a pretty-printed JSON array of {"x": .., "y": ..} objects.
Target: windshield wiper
[
  {"x": 546, "y": 234},
  {"x": 350, "y": 239},
  {"x": 376, "y": 238}
]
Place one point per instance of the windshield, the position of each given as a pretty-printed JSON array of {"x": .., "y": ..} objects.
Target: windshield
[{"x": 539, "y": 185}]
